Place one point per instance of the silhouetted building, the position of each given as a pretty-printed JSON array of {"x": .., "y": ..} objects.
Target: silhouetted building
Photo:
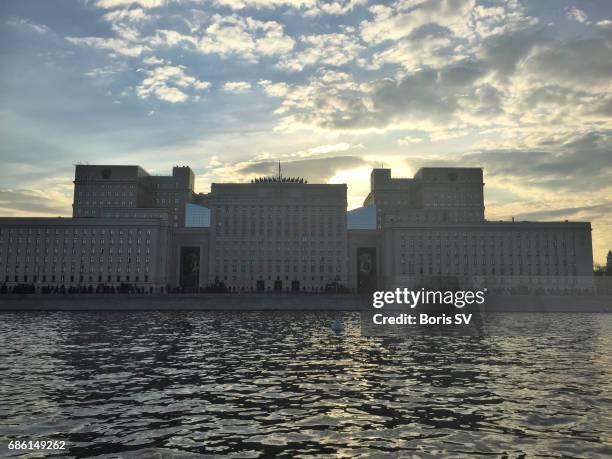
[
  {"x": 284, "y": 234},
  {"x": 278, "y": 234},
  {"x": 432, "y": 228},
  {"x": 434, "y": 195},
  {"x": 85, "y": 251},
  {"x": 107, "y": 190}
]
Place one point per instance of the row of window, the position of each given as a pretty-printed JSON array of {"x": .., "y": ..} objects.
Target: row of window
[
  {"x": 102, "y": 194},
  {"x": 414, "y": 269},
  {"x": 119, "y": 260},
  {"x": 257, "y": 267},
  {"x": 267, "y": 251},
  {"x": 97, "y": 184},
  {"x": 69, "y": 231},
  {"x": 269, "y": 280},
  {"x": 65, "y": 242},
  {"x": 509, "y": 259},
  {"x": 500, "y": 236},
  {"x": 483, "y": 261},
  {"x": 97, "y": 204},
  {"x": 132, "y": 214},
  {"x": 315, "y": 211},
  {"x": 72, "y": 278}
]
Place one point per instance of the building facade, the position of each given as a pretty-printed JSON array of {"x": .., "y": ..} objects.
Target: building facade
[
  {"x": 99, "y": 189},
  {"x": 278, "y": 235},
  {"x": 283, "y": 234},
  {"x": 84, "y": 252},
  {"x": 432, "y": 228}
]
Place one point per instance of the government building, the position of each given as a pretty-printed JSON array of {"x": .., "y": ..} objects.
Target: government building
[{"x": 155, "y": 234}]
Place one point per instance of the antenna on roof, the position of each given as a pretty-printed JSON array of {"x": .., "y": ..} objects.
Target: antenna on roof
[{"x": 279, "y": 171}]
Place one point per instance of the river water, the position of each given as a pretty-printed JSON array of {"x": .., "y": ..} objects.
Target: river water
[{"x": 262, "y": 384}]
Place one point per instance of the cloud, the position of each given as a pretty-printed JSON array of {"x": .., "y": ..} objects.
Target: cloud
[
  {"x": 152, "y": 60},
  {"x": 575, "y": 14},
  {"x": 583, "y": 163},
  {"x": 310, "y": 7},
  {"x": 337, "y": 7},
  {"x": 210, "y": 34},
  {"x": 26, "y": 24},
  {"x": 33, "y": 202},
  {"x": 567, "y": 212},
  {"x": 127, "y": 40},
  {"x": 605, "y": 24},
  {"x": 237, "y": 86},
  {"x": 329, "y": 148},
  {"x": 504, "y": 53},
  {"x": 278, "y": 89},
  {"x": 403, "y": 18},
  {"x": 119, "y": 46},
  {"x": 580, "y": 62},
  {"x": 316, "y": 170},
  {"x": 169, "y": 84},
  {"x": 246, "y": 37},
  {"x": 102, "y": 73},
  {"x": 507, "y": 82},
  {"x": 463, "y": 19},
  {"x": 133, "y": 15},
  {"x": 270, "y": 4},
  {"x": 108, "y": 4},
  {"x": 228, "y": 36},
  {"x": 433, "y": 50},
  {"x": 334, "y": 49},
  {"x": 409, "y": 140},
  {"x": 426, "y": 99},
  {"x": 434, "y": 33}
]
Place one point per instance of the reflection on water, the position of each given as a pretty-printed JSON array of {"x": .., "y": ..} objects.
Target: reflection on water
[{"x": 249, "y": 384}]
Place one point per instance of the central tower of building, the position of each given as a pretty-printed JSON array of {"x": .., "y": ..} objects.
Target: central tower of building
[{"x": 278, "y": 234}]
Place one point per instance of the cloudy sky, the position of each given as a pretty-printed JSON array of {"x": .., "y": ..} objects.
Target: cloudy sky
[{"x": 331, "y": 88}]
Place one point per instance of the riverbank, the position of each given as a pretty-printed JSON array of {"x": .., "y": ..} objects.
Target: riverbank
[
  {"x": 278, "y": 301},
  {"x": 179, "y": 302}
]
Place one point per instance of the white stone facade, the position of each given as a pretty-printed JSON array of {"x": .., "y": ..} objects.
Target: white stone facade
[
  {"x": 84, "y": 252},
  {"x": 278, "y": 235}
]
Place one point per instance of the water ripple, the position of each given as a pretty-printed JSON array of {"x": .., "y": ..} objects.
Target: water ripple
[{"x": 257, "y": 384}]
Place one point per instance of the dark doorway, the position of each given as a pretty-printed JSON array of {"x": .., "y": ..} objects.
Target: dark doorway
[
  {"x": 366, "y": 269},
  {"x": 190, "y": 268},
  {"x": 295, "y": 286},
  {"x": 261, "y": 286},
  {"x": 278, "y": 285}
]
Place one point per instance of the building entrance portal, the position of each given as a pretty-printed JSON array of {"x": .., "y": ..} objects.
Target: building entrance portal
[
  {"x": 366, "y": 269},
  {"x": 261, "y": 286},
  {"x": 190, "y": 268},
  {"x": 278, "y": 285},
  {"x": 295, "y": 286}
]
